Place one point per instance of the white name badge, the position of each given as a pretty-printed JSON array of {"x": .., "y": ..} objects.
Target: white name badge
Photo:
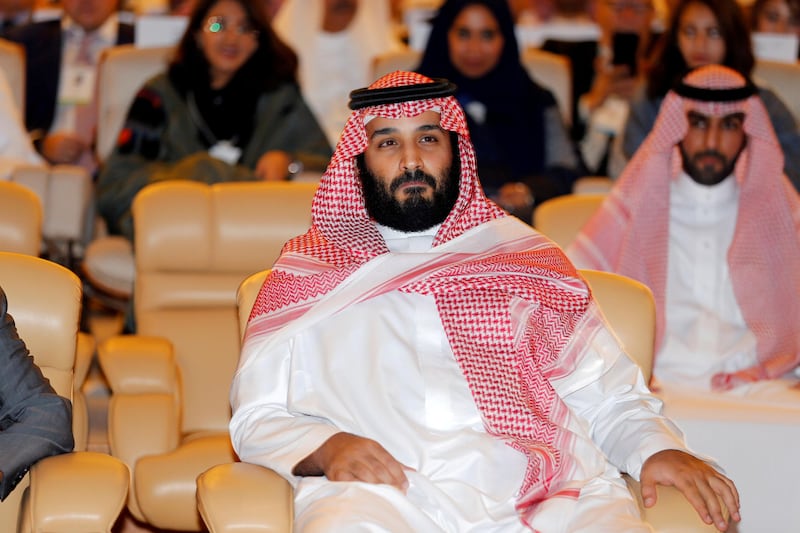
[
  {"x": 225, "y": 151},
  {"x": 78, "y": 86}
]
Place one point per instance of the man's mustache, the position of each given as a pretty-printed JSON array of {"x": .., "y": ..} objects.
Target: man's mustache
[
  {"x": 409, "y": 176},
  {"x": 710, "y": 153}
]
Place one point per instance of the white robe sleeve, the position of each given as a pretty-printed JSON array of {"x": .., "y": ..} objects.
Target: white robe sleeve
[
  {"x": 263, "y": 431},
  {"x": 606, "y": 389}
]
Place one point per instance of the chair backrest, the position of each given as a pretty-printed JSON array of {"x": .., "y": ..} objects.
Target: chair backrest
[
  {"x": 122, "y": 71},
  {"x": 562, "y": 217},
  {"x": 246, "y": 297},
  {"x": 630, "y": 309},
  {"x": 65, "y": 193},
  {"x": 45, "y": 300},
  {"x": 12, "y": 63},
  {"x": 784, "y": 79},
  {"x": 550, "y": 70},
  {"x": 20, "y": 219},
  {"x": 195, "y": 243}
]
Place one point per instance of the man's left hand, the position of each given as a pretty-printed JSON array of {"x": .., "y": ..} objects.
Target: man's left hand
[{"x": 705, "y": 488}]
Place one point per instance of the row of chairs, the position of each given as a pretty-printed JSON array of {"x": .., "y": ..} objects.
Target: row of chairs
[{"x": 80, "y": 491}]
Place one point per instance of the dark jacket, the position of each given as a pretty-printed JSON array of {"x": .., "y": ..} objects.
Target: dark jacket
[
  {"x": 35, "y": 422},
  {"x": 42, "y": 42}
]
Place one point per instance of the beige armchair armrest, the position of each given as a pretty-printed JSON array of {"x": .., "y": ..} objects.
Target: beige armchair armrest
[
  {"x": 144, "y": 412},
  {"x": 80, "y": 491},
  {"x": 241, "y": 496},
  {"x": 672, "y": 512}
]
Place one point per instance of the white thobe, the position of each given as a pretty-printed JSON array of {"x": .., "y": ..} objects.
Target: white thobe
[
  {"x": 705, "y": 331},
  {"x": 383, "y": 369}
]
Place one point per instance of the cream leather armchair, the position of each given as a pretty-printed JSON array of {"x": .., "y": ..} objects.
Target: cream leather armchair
[
  {"x": 169, "y": 408},
  {"x": 79, "y": 491},
  {"x": 562, "y": 217},
  {"x": 245, "y": 497}
]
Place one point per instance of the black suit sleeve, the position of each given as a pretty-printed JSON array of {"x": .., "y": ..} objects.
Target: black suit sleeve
[{"x": 35, "y": 422}]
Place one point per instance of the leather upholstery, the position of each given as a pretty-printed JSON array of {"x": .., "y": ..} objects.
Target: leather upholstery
[
  {"x": 20, "y": 219},
  {"x": 562, "y": 217},
  {"x": 169, "y": 410},
  {"x": 45, "y": 300}
]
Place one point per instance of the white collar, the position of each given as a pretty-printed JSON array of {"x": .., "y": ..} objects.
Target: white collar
[
  {"x": 401, "y": 241},
  {"x": 687, "y": 190}
]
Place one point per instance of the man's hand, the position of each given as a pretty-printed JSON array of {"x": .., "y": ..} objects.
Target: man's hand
[
  {"x": 273, "y": 166},
  {"x": 348, "y": 457},
  {"x": 705, "y": 488},
  {"x": 63, "y": 148}
]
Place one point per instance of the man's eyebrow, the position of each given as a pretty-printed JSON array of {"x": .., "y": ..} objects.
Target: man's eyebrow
[
  {"x": 695, "y": 114},
  {"x": 739, "y": 115},
  {"x": 390, "y": 129}
]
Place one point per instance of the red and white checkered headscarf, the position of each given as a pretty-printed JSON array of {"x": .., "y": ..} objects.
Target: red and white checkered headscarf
[
  {"x": 629, "y": 233},
  {"x": 480, "y": 296}
]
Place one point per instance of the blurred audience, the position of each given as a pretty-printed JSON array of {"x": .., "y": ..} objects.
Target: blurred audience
[
  {"x": 524, "y": 152},
  {"x": 621, "y": 54},
  {"x": 776, "y": 16},
  {"x": 14, "y": 13},
  {"x": 15, "y": 144},
  {"x": 705, "y": 217},
  {"x": 61, "y": 68},
  {"x": 703, "y": 32},
  {"x": 336, "y": 42},
  {"x": 228, "y": 108}
]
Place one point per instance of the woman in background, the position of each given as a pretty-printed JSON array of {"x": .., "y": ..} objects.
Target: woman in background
[
  {"x": 227, "y": 109},
  {"x": 703, "y": 32},
  {"x": 524, "y": 152}
]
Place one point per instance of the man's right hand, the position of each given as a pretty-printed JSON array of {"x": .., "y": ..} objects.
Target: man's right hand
[
  {"x": 63, "y": 148},
  {"x": 348, "y": 457}
]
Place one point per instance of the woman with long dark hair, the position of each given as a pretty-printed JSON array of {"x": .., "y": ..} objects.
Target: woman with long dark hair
[
  {"x": 227, "y": 109},
  {"x": 703, "y": 32},
  {"x": 521, "y": 143}
]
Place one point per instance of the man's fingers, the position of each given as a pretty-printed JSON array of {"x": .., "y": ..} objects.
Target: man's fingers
[{"x": 649, "y": 493}]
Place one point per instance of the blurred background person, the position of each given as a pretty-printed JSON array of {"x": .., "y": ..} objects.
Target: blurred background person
[
  {"x": 703, "y": 32},
  {"x": 15, "y": 144},
  {"x": 61, "y": 69},
  {"x": 14, "y": 13},
  {"x": 227, "y": 109},
  {"x": 336, "y": 42},
  {"x": 614, "y": 74},
  {"x": 772, "y": 18},
  {"x": 524, "y": 152},
  {"x": 776, "y": 16}
]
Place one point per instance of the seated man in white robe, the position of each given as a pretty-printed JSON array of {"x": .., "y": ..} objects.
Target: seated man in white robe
[
  {"x": 705, "y": 216},
  {"x": 421, "y": 361}
]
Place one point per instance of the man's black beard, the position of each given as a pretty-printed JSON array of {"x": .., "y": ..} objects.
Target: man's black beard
[
  {"x": 416, "y": 213},
  {"x": 706, "y": 175}
]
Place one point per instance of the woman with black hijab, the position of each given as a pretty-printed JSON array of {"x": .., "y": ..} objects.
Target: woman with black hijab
[
  {"x": 524, "y": 152},
  {"x": 227, "y": 109}
]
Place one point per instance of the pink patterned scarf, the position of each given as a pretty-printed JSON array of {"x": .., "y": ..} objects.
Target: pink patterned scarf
[
  {"x": 629, "y": 233},
  {"x": 480, "y": 295}
]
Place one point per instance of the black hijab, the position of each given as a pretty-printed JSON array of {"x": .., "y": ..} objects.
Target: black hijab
[{"x": 513, "y": 132}]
